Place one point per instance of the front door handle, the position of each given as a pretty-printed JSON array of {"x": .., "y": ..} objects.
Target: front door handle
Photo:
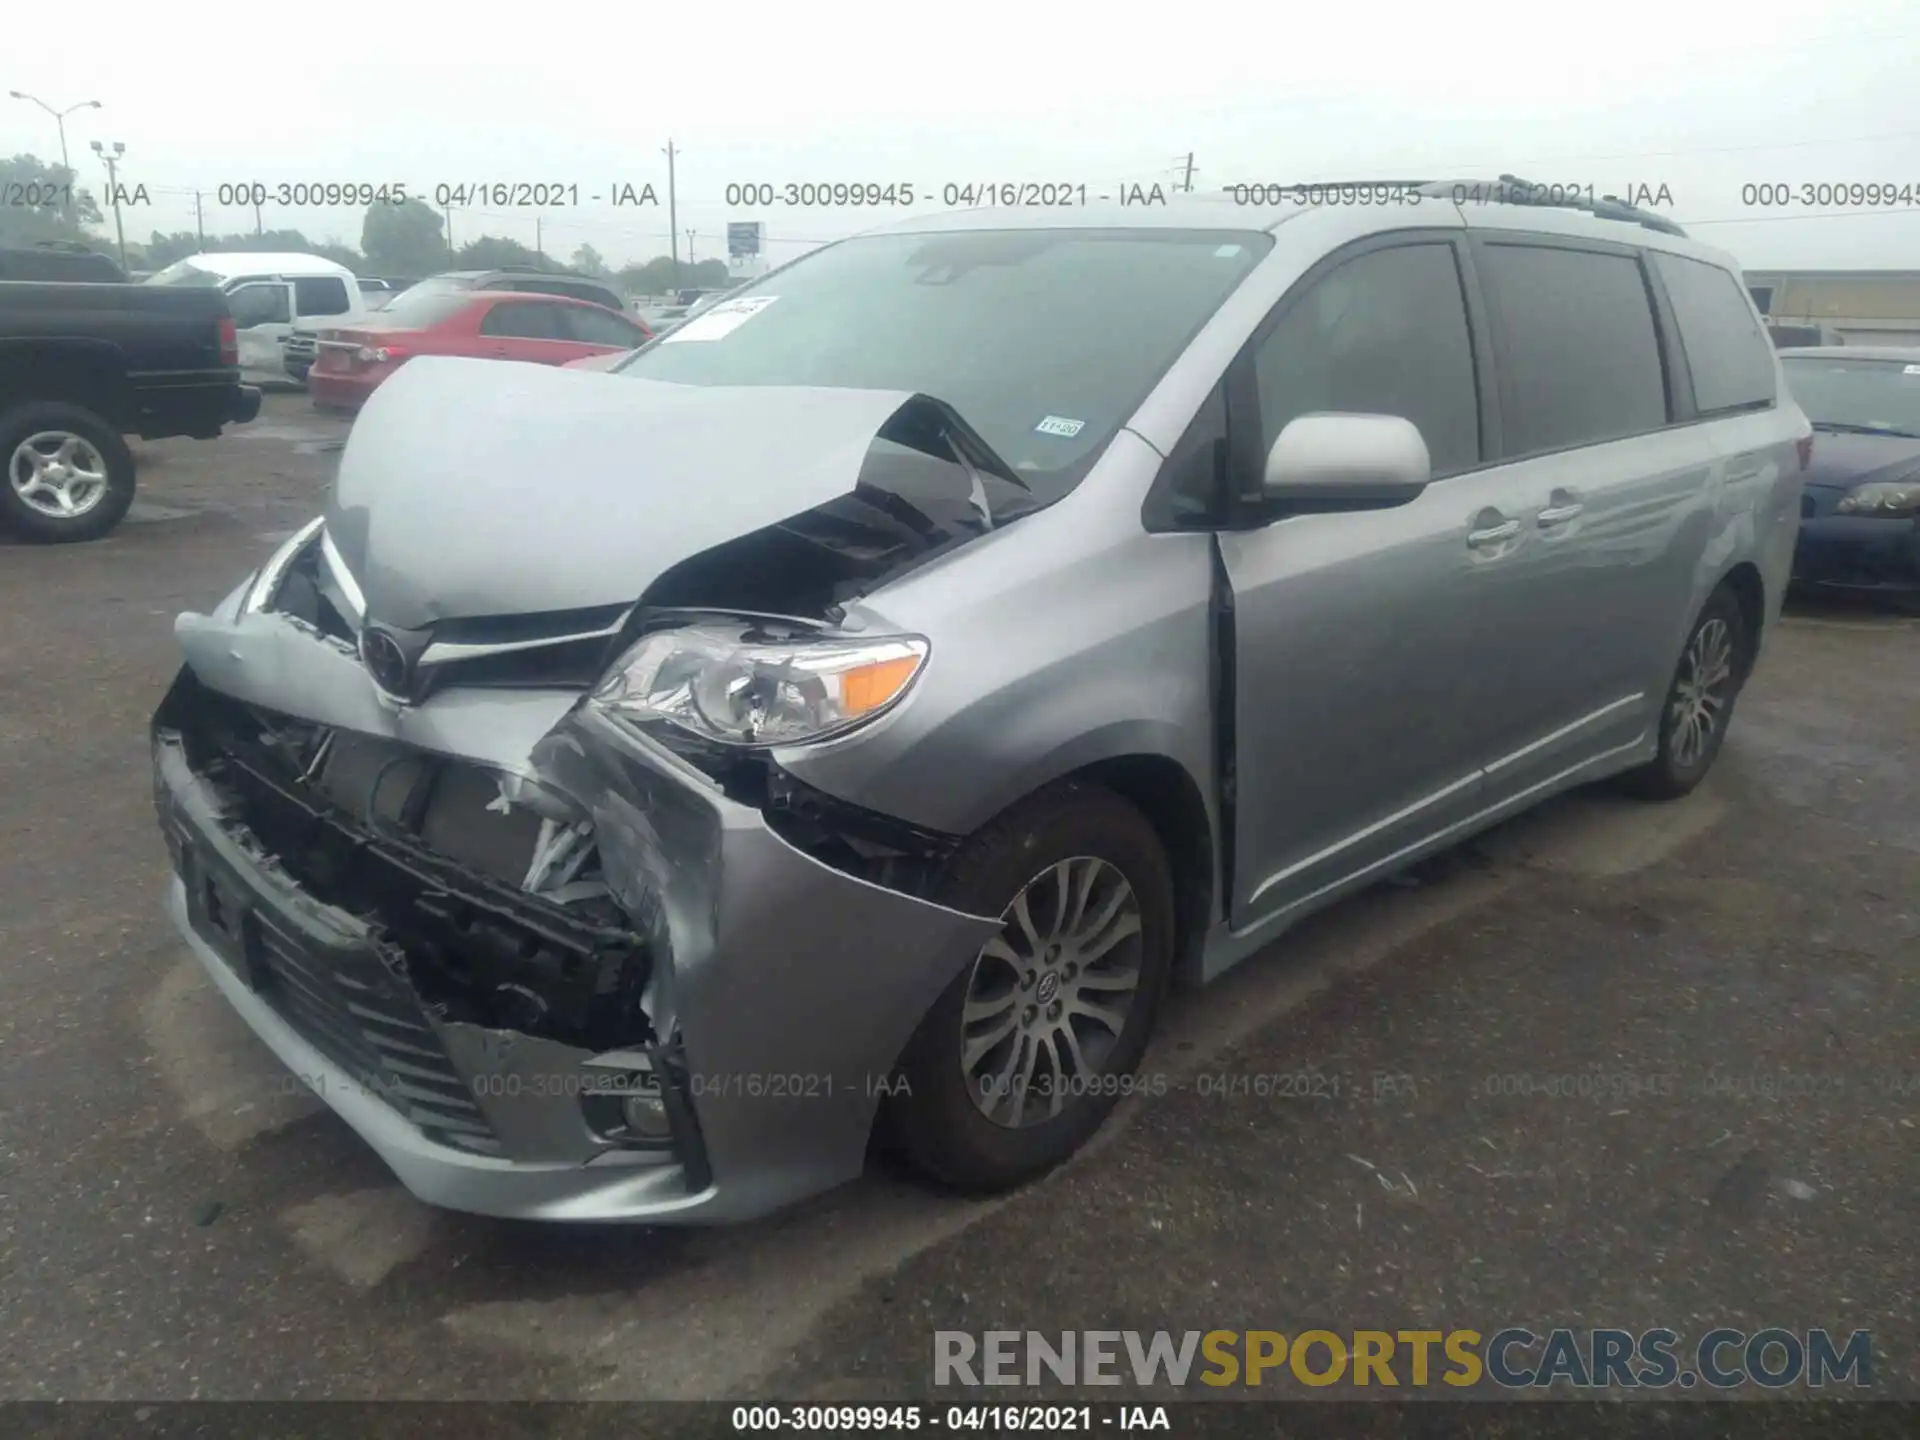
[
  {"x": 1493, "y": 535},
  {"x": 1559, "y": 515}
]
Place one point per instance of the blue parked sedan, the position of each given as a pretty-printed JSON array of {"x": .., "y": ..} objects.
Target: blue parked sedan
[{"x": 1860, "y": 511}]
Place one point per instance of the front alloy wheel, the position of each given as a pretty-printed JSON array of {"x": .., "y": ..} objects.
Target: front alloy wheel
[
  {"x": 1050, "y": 995},
  {"x": 1032, "y": 1045}
]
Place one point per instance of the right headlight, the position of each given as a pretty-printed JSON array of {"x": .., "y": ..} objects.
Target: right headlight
[
  {"x": 1897, "y": 497},
  {"x": 728, "y": 685}
]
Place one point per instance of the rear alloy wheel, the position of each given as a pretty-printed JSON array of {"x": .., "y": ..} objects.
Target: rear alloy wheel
[
  {"x": 1030, "y": 1046},
  {"x": 69, "y": 475},
  {"x": 1699, "y": 705}
]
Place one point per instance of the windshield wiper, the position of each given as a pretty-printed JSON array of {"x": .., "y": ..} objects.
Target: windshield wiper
[{"x": 1842, "y": 427}]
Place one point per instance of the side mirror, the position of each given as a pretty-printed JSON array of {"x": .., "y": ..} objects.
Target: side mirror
[{"x": 1346, "y": 462}]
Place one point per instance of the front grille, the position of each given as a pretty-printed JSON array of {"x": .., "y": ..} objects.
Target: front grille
[
  {"x": 301, "y": 345},
  {"x": 355, "y": 1014},
  {"x": 558, "y": 649}
]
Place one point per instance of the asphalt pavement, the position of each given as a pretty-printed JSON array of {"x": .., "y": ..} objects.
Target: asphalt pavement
[{"x": 1612, "y": 1064}]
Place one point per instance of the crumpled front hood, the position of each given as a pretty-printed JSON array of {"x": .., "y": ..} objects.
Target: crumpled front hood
[{"x": 478, "y": 487}]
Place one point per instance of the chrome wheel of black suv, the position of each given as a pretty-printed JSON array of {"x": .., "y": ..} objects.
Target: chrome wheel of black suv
[{"x": 69, "y": 475}]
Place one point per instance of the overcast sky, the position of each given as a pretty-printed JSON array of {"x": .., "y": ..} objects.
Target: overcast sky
[{"x": 1701, "y": 99}]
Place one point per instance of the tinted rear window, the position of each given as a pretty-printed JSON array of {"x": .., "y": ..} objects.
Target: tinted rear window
[
  {"x": 571, "y": 289},
  {"x": 1582, "y": 357},
  {"x": 1727, "y": 351},
  {"x": 320, "y": 295}
]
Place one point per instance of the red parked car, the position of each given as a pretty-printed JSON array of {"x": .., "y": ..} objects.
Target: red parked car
[{"x": 479, "y": 324}]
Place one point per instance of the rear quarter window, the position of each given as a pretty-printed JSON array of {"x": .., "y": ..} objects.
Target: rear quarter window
[
  {"x": 1727, "y": 352},
  {"x": 321, "y": 295},
  {"x": 1580, "y": 357}
]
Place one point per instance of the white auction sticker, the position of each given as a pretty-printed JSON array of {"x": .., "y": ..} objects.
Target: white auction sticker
[{"x": 722, "y": 320}]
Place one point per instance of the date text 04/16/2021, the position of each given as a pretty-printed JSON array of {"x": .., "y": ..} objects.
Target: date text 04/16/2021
[
  {"x": 970, "y": 1419},
  {"x": 952, "y": 195},
  {"x": 752, "y": 1085},
  {"x": 495, "y": 194}
]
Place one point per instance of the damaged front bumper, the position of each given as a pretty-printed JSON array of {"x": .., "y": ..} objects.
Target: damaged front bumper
[{"x": 707, "y": 1041}]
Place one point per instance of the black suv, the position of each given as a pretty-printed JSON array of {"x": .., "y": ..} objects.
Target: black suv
[
  {"x": 59, "y": 260},
  {"x": 533, "y": 282}
]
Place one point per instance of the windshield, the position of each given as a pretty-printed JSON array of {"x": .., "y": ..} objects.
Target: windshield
[
  {"x": 1858, "y": 394},
  {"x": 182, "y": 272},
  {"x": 1043, "y": 341}
]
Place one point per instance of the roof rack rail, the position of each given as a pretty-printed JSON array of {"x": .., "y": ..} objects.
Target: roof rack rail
[{"x": 1512, "y": 190}]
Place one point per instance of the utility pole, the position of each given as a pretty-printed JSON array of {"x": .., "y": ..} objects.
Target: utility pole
[
  {"x": 111, "y": 159},
  {"x": 1188, "y": 183},
  {"x": 447, "y": 210},
  {"x": 673, "y": 218},
  {"x": 689, "y": 249},
  {"x": 199, "y": 222},
  {"x": 539, "y": 245},
  {"x": 259, "y": 226},
  {"x": 60, "y": 119}
]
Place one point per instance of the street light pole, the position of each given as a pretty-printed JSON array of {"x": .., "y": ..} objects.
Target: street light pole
[
  {"x": 60, "y": 119},
  {"x": 673, "y": 218},
  {"x": 111, "y": 161}
]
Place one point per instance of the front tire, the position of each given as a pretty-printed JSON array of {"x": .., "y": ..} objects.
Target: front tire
[
  {"x": 69, "y": 474},
  {"x": 1699, "y": 703},
  {"x": 1027, "y": 1051}
]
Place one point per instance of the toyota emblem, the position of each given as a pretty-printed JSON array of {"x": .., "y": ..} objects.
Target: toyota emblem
[{"x": 384, "y": 659}]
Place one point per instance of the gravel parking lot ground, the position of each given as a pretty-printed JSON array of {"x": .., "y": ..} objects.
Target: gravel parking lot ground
[{"x": 1610, "y": 1065}]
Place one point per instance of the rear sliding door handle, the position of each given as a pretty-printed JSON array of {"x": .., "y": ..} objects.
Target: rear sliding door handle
[{"x": 1493, "y": 535}]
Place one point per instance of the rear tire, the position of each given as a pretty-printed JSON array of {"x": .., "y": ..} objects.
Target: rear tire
[
  {"x": 1057, "y": 1008},
  {"x": 69, "y": 474},
  {"x": 1699, "y": 703}
]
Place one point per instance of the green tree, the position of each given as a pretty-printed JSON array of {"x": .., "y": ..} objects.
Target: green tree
[
  {"x": 497, "y": 252},
  {"x": 589, "y": 261},
  {"x": 660, "y": 275},
  {"x": 26, "y": 178},
  {"x": 406, "y": 240},
  {"x": 162, "y": 250}
]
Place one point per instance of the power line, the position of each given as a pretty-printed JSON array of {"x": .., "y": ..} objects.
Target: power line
[{"x": 1818, "y": 215}]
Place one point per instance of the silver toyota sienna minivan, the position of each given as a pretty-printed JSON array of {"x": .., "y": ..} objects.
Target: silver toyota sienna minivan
[{"x": 641, "y": 792}]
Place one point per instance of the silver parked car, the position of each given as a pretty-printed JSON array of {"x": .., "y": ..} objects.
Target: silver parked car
[{"x": 639, "y": 791}]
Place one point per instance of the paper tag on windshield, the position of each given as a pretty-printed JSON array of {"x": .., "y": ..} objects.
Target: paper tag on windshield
[
  {"x": 1060, "y": 425},
  {"x": 722, "y": 320}
]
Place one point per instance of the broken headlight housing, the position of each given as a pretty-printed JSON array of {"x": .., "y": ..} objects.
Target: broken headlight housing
[
  {"x": 737, "y": 686},
  {"x": 266, "y": 584},
  {"x": 1898, "y": 497}
]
